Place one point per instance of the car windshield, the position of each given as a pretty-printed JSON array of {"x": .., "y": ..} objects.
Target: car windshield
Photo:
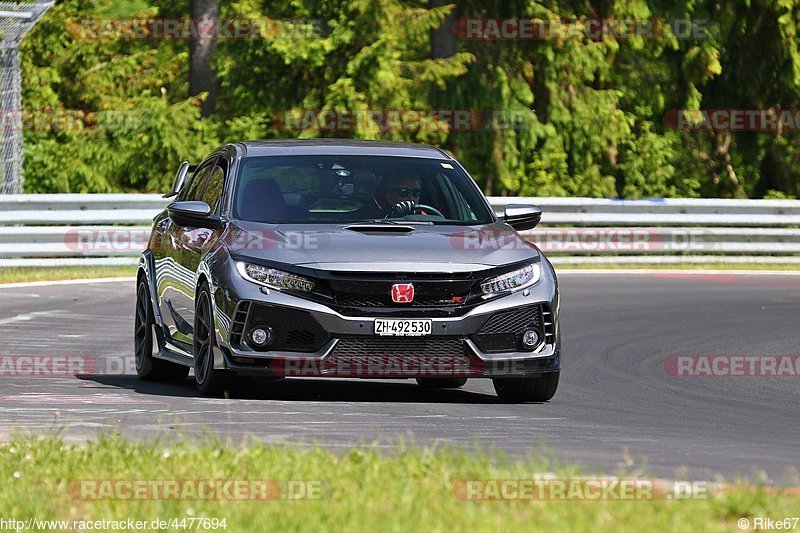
[{"x": 348, "y": 189}]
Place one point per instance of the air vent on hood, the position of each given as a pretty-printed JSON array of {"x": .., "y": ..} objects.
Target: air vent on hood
[{"x": 380, "y": 228}]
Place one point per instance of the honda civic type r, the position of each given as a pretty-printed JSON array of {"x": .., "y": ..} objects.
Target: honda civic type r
[{"x": 336, "y": 258}]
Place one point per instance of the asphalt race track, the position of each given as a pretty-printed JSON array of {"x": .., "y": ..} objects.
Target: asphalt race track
[{"x": 619, "y": 405}]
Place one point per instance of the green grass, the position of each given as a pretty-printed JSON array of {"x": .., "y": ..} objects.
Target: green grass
[
  {"x": 20, "y": 275},
  {"x": 409, "y": 489}
]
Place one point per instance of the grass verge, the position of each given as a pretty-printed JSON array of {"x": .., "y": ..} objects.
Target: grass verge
[
  {"x": 411, "y": 489},
  {"x": 21, "y": 275}
]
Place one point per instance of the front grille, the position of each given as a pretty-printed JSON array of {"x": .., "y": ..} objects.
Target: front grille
[
  {"x": 427, "y": 293},
  {"x": 359, "y": 300},
  {"x": 399, "y": 346},
  {"x": 513, "y": 321},
  {"x": 301, "y": 338},
  {"x": 294, "y": 330},
  {"x": 399, "y": 357},
  {"x": 501, "y": 333}
]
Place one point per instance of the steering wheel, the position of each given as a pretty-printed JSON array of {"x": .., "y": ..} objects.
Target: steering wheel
[{"x": 429, "y": 210}]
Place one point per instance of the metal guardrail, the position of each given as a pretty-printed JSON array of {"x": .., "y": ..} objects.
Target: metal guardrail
[
  {"x": 72, "y": 209},
  {"x": 661, "y": 212},
  {"x": 62, "y": 229}
]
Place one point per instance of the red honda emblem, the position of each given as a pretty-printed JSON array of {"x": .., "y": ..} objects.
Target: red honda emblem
[{"x": 402, "y": 293}]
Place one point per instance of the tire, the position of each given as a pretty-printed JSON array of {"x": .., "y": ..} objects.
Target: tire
[
  {"x": 149, "y": 368},
  {"x": 441, "y": 383},
  {"x": 208, "y": 380},
  {"x": 536, "y": 389}
]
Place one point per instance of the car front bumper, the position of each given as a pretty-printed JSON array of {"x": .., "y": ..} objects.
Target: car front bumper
[{"x": 353, "y": 350}]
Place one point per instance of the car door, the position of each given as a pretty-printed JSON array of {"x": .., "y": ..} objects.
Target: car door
[
  {"x": 174, "y": 259},
  {"x": 193, "y": 243}
]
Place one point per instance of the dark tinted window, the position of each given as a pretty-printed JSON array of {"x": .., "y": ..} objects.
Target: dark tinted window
[
  {"x": 214, "y": 187},
  {"x": 336, "y": 189},
  {"x": 193, "y": 189}
]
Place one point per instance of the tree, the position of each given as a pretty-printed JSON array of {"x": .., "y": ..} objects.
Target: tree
[
  {"x": 554, "y": 115},
  {"x": 202, "y": 77},
  {"x": 443, "y": 39}
]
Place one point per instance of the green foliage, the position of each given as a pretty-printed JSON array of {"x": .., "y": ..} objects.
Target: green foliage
[
  {"x": 587, "y": 116},
  {"x": 778, "y": 195},
  {"x": 106, "y": 114},
  {"x": 412, "y": 489}
]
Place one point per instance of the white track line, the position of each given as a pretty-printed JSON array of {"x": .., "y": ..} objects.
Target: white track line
[
  {"x": 27, "y": 317},
  {"x": 66, "y": 282}
]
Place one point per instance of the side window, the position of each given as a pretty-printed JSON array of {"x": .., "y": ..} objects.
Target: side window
[
  {"x": 461, "y": 207},
  {"x": 193, "y": 189},
  {"x": 447, "y": 197},
  {"x": 290, "y": 179},
  {"x": 216, "y": 184}
]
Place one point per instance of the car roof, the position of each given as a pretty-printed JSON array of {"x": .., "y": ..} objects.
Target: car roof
[{"x": 339, "y": 147}]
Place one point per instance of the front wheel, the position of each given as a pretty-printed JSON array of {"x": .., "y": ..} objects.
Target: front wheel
[
  {"x": 207, "y": 379},
  {"x": 149, "y": 368},
  {"x": 535, "y": 389}
]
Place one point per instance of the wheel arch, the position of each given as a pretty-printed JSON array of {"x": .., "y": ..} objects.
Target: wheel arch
[
  {"x": 147, "y": 270},
  {"x": 203, "y": 276}
]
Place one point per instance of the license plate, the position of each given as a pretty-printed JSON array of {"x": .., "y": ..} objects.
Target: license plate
[{"x": 403, "y": 327}]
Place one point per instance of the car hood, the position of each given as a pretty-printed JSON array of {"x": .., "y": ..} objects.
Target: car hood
[{"x": 381, "y": 248}]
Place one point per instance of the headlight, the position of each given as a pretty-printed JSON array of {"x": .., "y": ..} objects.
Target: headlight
[
  {"x": 519, "y": 279},
  {"x": 274, "y": 279}
]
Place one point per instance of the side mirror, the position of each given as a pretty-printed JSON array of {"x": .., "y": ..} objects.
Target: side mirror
[
  {"x": 193, "y": 214},
  {"x": 522, "y": 217},
  {"x": 180, "y": 178}
]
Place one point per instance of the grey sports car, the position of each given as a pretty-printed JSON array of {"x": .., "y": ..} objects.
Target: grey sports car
[{"x": 338, "y": 258}]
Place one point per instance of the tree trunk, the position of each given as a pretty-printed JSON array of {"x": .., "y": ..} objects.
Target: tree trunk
[
  {"x": 443, "y": 38},
  {"x": 202, "y": 77}
]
